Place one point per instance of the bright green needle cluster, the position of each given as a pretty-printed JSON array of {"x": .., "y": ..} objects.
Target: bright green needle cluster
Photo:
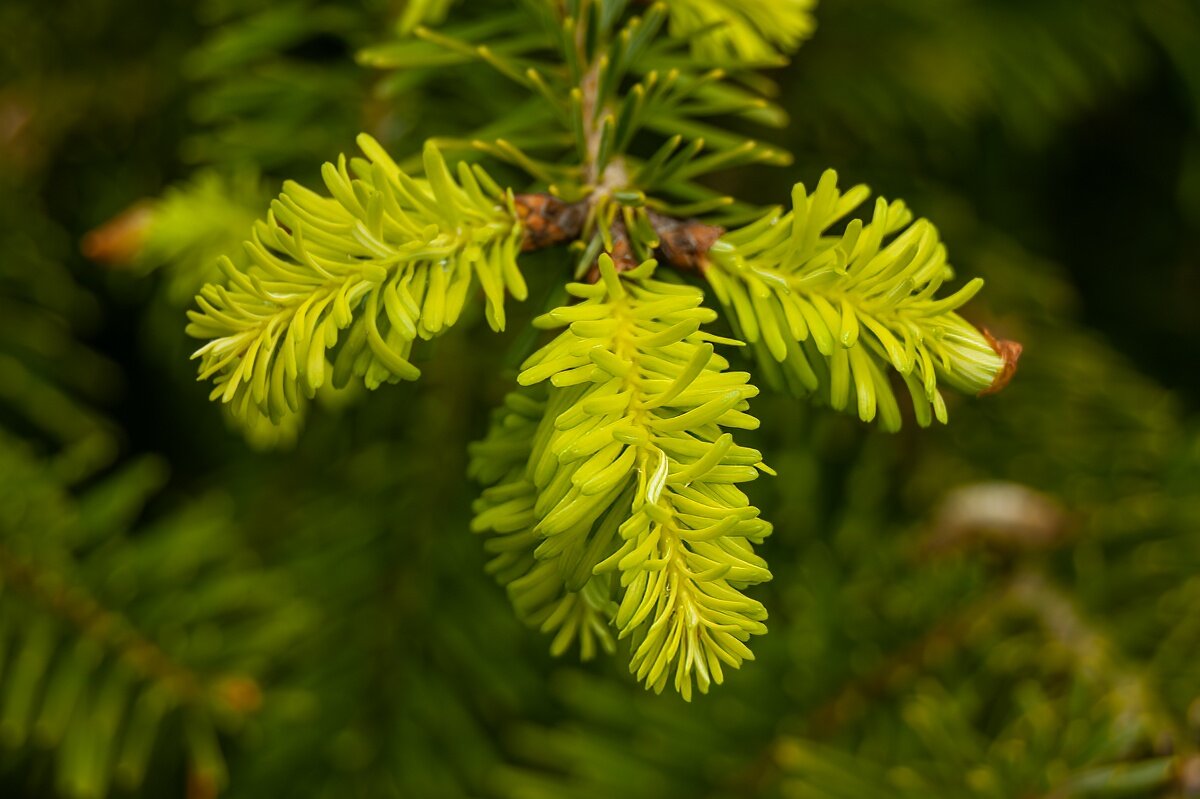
[
  {"x": 195, "y": 223},
  {"x": 623, "y": 467},
  {"x": 388, "y": 258},
  {"x": 559, "y": 595},
  {"x": 829, "y": 311},
  {"x": 742, "y": 31},
  {"x": 612, "y": 501}
]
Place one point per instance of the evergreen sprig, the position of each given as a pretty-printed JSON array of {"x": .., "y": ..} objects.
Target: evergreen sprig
[
  {"x": 388, "y": 257},
  {"x": 629, "y": 472},
  {"x": 574, "y": 606},
  {"x": 835, "y": 309},
  {"x": 100, "y": 660},
  {"x": 611, "y": 485},
  {"x": 742, "y": 32},
  {"x": 190, "y": 228},
  {"x": 1010, "y": 643}
]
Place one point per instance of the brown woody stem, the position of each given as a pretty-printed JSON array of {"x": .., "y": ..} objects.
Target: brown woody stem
[
  {"x": 684, "y": 243},
  {"x": 114, "y": 633},
  {"x": 548, "y": 221}
]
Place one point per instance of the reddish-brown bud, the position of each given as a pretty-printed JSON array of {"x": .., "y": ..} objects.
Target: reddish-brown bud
[
  {"x": 241, "y": 694},
  {"x": 684, "y": 243},
  {"x": 548, "y": 221},
  {"x": 624, "y": 258},
  {"x": 119, "y": 241},
  {"x": 1010, "y": 351}
]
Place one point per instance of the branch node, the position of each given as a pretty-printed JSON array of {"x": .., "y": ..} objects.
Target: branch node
[
  {"x": 684, "y": 243},
  {"x": 548, "y": 221}
]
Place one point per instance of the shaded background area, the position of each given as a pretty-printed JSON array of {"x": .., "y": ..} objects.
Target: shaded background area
[
  {"x": 1004, "y": 607},
  {"x": 1072, "y": 131}
]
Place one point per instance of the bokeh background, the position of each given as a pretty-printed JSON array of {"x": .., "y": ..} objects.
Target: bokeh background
[{"x": 1005, "y": 607}]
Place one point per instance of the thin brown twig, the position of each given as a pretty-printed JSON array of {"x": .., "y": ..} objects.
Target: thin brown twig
[{"x": 110, "y": 630}]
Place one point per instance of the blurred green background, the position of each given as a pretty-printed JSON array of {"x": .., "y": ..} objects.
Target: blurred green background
[{"x": 1005, "y": 607}]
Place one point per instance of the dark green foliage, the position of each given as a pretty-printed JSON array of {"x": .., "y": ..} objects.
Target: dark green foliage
[
  {"x": 342, "y": 287},
  {"x": 1002, "y": 607}
]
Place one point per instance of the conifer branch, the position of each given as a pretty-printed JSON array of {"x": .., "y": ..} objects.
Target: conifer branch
[
  {"x": 611, "y": 496},
  {"x": 630, "y": 473},
  {"x": 1093, "y": 659},
  {"x": 99, "y": 624},
  {"x": 742, "y": 32},
  {"x": 548, "y": 220},
  {"x": 544, "y": 591},
  {"x": 96, "y": 669},
  {"x": 827, "y": 312},
  {"x": 390, "y": 258}
]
